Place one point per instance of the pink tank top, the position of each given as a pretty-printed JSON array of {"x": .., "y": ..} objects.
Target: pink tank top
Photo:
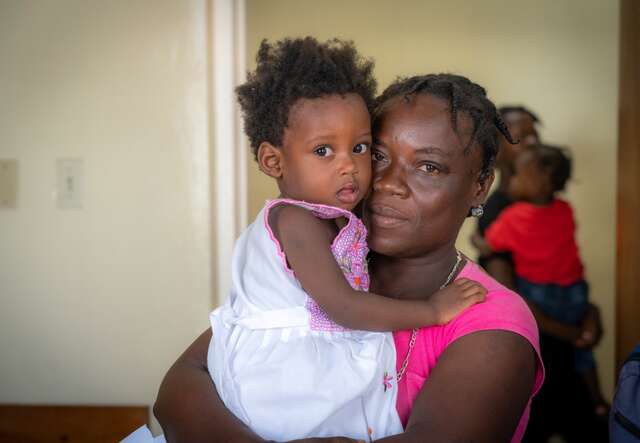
[{"x": 503, "y": 309}]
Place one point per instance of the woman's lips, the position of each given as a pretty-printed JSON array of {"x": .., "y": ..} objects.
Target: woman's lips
[{"x": 385, "y": 216}]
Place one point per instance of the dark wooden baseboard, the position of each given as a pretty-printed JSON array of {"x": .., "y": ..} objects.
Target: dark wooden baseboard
[{"x": 69, "y": 424}]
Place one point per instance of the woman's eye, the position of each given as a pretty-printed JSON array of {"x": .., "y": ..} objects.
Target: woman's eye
[
  {"x": 429, "y": 168},
  {"x": 323, "y": 151},
  {"x": 377, "y": 156},
  {"x": 360, "y": 148}
]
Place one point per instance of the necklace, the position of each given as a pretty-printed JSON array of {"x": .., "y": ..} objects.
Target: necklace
[{"x": 414, "y": 332}]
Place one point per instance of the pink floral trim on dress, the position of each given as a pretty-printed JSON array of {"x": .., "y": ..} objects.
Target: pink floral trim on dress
[{"x": 349, "y": 249}]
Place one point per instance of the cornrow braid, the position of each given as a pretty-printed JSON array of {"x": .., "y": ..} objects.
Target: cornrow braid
[{"x": 463, "y": 96}]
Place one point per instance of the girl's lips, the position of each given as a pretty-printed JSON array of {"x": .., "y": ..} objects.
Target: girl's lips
[{"x": 348, "y": 194}]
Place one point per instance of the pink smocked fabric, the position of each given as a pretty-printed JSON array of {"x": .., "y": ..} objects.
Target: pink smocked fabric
[
  {"x": 502, "y": 310},
  {"x": 349, "y": 248}
]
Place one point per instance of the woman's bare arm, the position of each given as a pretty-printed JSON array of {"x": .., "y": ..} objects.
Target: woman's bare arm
[
  {"x": 188, "y": 406},
  {"x": 477, "y": 391}
]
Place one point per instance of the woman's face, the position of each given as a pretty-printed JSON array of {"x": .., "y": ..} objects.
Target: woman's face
[{"x": 424, "y": 183}]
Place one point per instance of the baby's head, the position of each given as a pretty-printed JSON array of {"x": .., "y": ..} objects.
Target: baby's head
[
  {"x": 540, "y": 171},
  {"x": 306, "y": 112}
]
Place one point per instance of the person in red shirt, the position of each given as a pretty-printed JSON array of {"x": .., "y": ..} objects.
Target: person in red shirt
[{"x": 539, "y": 232}]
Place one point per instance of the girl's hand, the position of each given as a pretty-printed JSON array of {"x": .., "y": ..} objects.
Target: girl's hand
[{"x": 450, "y": 301}]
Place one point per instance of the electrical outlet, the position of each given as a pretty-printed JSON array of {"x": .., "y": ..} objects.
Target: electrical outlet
[{"x": 69, "y": 183}]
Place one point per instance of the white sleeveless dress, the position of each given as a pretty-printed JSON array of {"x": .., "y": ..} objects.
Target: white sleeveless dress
[{"x": 283, "y": 367}]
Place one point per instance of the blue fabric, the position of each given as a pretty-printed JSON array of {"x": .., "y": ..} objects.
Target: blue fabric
[
  {"x": 567, "y": 304},
  {"x": 624, "y": 422}
]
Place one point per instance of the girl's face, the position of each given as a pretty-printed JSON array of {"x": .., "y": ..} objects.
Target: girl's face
[
  {"x": 424, "y": 183},
  {"x": 530, "y": 182},
  {"x": 325, "y": 155}
]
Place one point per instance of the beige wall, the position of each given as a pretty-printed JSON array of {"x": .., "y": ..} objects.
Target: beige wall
[
  {"x": 558, "y": 57},
  {"x": 98, "y": 302}
]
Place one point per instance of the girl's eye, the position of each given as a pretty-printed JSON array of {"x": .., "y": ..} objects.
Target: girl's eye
[
  {"x": 429, "y": 168},
  {"x": 360, "y": 148},
  {"x": 323, "y": 151},
  {"x": 377, "y": 156}
]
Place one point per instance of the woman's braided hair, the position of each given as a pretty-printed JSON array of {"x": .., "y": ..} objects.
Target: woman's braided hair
[
  {"x": 293, "y": 69},
  {"x": 463, "y": 96}
]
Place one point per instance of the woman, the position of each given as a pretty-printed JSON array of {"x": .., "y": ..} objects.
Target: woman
[{"x": 470, "y": 380}]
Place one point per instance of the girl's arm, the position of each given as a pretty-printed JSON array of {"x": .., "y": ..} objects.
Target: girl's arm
[
  {"x": 190, "y": 411},
  {"x": 306, "y": 242},
  {"x": 477, "y": 391}
]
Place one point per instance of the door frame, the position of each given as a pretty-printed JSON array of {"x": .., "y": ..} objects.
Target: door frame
[
  {"x": 628, "y": 198},
  {"x": 228, "y": 160}
]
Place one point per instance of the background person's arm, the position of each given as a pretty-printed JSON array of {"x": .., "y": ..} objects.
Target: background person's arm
[
  {"x": 591, "y": 328},
  {"x": 582, "y": 336},
  {"x": 477, "y": 391}
]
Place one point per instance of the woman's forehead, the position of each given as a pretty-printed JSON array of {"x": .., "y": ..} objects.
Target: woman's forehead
[{"x": 422, "y": 121}]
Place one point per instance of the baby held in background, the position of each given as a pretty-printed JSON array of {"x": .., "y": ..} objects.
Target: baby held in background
[
  {"x": 539, "y": 231},
  {"x": 298, "y": 348}
]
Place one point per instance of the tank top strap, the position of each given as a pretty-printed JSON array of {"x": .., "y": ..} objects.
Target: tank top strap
[
  {"x": 353, "y": 231},
  {"x": 319, "y": 210}
]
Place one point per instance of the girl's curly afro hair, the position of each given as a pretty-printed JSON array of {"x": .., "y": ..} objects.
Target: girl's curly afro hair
[{"x": 292, "y": 69}]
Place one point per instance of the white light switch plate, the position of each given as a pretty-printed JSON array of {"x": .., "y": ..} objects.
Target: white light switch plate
[
  {"x": 8, "y": 184},
  {"x": 70, "y": 183}
]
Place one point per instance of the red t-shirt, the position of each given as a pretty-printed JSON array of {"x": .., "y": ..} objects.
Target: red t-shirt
[{"x": 541, "y": 240}]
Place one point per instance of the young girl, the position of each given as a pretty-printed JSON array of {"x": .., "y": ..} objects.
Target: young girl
[
  {"x": 539, "y": 231},
  {"x": 290, "y": 353}
]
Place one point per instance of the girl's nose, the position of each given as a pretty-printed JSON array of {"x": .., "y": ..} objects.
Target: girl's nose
[{"x": 347, "y": 165}]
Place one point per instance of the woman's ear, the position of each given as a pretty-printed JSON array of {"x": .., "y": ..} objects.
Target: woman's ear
[
  {"x": 270, "y": 160},
  {"x": 483, "y": 186}
]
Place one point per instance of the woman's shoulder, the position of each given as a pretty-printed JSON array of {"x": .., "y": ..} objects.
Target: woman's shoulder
[
  {"x": 503, "y": 309},
  {"x": 497, "y": 294}
]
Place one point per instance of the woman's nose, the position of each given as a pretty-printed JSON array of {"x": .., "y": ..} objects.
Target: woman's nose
[{"x": 390, "y": 181}]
